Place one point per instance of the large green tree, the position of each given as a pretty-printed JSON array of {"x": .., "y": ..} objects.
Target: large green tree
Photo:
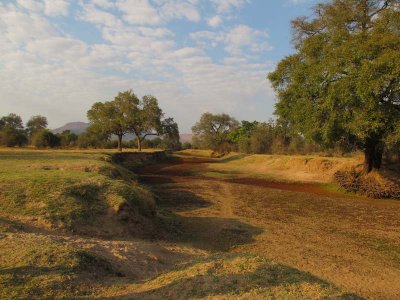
[
  {"x": 114, "y": 117},
  {"x": 342, "y": 85},
  {"x": 129, "y": 114},
  {"x": 147, "y": 119},
  {"x": 213, "y": 131}
]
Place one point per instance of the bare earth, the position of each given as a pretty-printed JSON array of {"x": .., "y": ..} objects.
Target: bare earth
[{"x": 349, "y": 241}]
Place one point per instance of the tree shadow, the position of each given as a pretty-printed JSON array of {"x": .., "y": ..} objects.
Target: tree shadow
[
  {"x": 234, "y": 275},
  {"x": 207, "y": 233}
]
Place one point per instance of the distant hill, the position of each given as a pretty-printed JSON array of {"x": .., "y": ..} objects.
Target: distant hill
[{"x": 74, "y": 127}]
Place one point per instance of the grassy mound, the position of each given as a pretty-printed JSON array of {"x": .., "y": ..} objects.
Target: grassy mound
[
  {"x": 37, "y": 267},
  {"x": 82, "y": 192},
  {"x": 373, "y": 185}
]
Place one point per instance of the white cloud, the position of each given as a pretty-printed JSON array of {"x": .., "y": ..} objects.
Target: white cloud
[
  {"x": 236, "y": 41},
  {"x": 100, "y": 17},
  {"x": 144, "y": 12},
  {"x": 56, "y": 7},
  {"x": 243, "y": 37},
  {"x": 214, "y": 21},
  {"x": 49, "y": 7},
  {"x": 225, "y": 6},
  {"x": 45, "y": 71},
  {"x": 138, "y": 12},
  {"x": 32, "y": 5}
]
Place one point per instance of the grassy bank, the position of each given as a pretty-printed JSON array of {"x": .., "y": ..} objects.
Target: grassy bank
[{"x": 76, "y": 191}]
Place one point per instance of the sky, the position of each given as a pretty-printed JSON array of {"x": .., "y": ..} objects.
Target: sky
[{"x": 58, "y": 57}]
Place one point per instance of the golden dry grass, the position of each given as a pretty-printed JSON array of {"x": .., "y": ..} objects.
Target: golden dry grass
[
  {"x": 227, "y": 233},
  {"x": 352, "y": 242}
]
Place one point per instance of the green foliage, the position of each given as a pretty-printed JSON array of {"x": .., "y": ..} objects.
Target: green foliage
[
  {"x": 44, "y": 138},
  {"x": 114, "y": 117},
  {"x": 214, "y": 131},
  {"x": 262, "y": 138},
  {"x": 35, "y": 124},
  {"x": 342, "y": 84},
  {"x": 91, "y": 139},
  {"x": 129, "y": 114},
  {"x": 67, "y": 139},
  {"x": 12, "y": 131},
  {"x": 170, "y": 133}
]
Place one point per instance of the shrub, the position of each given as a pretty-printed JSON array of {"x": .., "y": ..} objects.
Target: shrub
[{"x": 45, "y": 138}]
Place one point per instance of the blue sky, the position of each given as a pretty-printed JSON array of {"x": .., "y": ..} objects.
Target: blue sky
[{"x": 58, "y": 57}]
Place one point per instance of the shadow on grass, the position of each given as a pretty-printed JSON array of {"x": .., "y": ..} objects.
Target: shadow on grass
[
  {"x": 207, "y": 233},
  {"x": 235, "y": 275}
]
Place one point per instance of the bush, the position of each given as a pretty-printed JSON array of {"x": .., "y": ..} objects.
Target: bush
[
  {"x": 11, "y": 137},
  {"x": 45, "y": 139}
]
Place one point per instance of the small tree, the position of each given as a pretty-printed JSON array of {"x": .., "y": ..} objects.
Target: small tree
[
  {"x": 241, "y": 135},
  {"x": 146, "y": 120},
  {"x": 12, "y": 131},
  {"x": 262, "y": 138},
  {"x": 67, "y": 138},
  {"x": 170, "y": 134},
  {"x": 213, "y": 131},
  {"x": 35, "y": 124},
  {"x": 44, "y": 138}
]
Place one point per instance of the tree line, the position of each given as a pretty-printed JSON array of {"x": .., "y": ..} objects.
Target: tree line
[
  {"x": 223, "y": 133},
  {"x": 125, "y": 114}
]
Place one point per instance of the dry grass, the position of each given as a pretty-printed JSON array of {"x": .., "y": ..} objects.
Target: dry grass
[
  {"x": 348, "y": 241},
  {"x": 230, "y": 276},
  {"x": 224, "y": 231}
]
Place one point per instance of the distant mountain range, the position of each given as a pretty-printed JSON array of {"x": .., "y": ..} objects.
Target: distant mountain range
[{"x": 79, "y": 127}]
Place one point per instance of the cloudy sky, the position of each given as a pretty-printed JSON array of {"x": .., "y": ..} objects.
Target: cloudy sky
[{"x": 57, "y": 57}]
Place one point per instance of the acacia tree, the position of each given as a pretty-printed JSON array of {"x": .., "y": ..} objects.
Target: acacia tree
[
  {"x": 343, "y": 82},
  {"x": 213, "y": 131},
  {"x": 128, "y": 114},
  {"x": 114, "y": 117}
]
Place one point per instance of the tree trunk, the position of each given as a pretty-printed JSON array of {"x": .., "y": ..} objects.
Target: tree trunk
[
  {"x": 139, "y": 144},
  {"x": 372, "y": 155},
  {"x": 120, "y": 142}
]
